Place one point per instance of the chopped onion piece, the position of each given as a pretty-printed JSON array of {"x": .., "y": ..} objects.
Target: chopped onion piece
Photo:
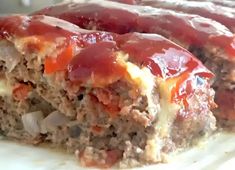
[
  {"x": 52, "y": 121},
  {"x": 31, "y": 122},
  {"x": 9, "y": 55}
]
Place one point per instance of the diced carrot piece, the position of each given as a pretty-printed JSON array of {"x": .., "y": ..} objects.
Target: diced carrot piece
[
  {"x": 97, "y": 129},
  {"x": 21, "y": 91},
  {"x": 112, "y": 157}
]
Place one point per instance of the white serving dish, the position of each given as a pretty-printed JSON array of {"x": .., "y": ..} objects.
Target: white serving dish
[{"x": 215, "y": 153}]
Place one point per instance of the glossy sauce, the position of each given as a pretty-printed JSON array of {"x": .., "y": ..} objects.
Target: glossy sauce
[
  {"x": 157, "y": 56},
  {"x": 44, "y": 30},
  {"x": 165, "y": 60},
  {"x": 226, "y": 3},
  {"x": 191, "y": 29},
  {"x": 40, "y": 27},
  {"x": 18, "y": 26},
  {"x": 39, "y": 35},
  {"x": 131, "y": 2},
  {"x": 98, "y": 62},
  {"x": 224, "y": 15},
  {"x": 97, "y": 57}
]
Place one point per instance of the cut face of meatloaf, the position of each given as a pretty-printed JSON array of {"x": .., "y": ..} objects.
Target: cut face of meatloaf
[
  {"x": 112, "y": 99},
  {"x": 210, "y": 41}
]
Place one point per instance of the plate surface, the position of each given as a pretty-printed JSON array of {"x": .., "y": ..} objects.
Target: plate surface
[{"x": 216, "y": 153}]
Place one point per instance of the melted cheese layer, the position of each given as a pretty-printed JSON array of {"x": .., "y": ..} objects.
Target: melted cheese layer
[{"x": 5, "y": 88}]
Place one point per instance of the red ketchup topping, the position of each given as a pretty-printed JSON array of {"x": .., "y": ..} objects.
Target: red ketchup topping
[
  {"x": 226, "y": 3},
  {"x": 22, "y": 26},
  {"x": 131, "y": 2},
  {"x": 224, "y": 15},
  {"x": 121, "y": 18},
  {"x": 157, "y": 56},
  {"x": 45, "y": 29},
  {"x": 165, "y": 60},
  {"x": 97, "y": 57},
  {"x": 40, "y": 32},
  {"x": 97, "y": 61}
]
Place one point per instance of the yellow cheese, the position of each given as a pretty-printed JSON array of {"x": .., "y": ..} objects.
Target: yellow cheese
[
  {"x": 5, "y": 88},
  {"x": 146, "y": 82},
  {"x": 168, "y": 109}
]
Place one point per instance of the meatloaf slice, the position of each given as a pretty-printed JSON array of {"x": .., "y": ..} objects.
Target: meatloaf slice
[
  {"x": 114, "y": 100},
  {"x": 210, "y": 41},
  {"x": 224, "y": 15},
  {"x": 223, "y": 68}
]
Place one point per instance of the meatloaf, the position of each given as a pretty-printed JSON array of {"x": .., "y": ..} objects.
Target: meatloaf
[
  {"x": 113, "y": 100},
  {"x": 222, "y": 14},
  {"x": 225, "y": 96},
  {"x": 209, "y": 40}
]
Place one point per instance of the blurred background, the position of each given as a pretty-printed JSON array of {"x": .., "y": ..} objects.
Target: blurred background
[{"x": 24, "y": 6}]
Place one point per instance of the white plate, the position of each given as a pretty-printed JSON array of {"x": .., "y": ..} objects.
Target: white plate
[
  {"x": 24, "y": 6},
  {"x": 217, "y": 153}
]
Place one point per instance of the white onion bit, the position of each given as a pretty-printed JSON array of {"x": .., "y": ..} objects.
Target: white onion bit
[
  {"x": 52, "y": 121},
  {"x": 9, "y": 55},
  {"x": 31, "y": 122}
]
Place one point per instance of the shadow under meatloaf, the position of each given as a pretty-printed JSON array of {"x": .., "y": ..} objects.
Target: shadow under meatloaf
[
  {"x": 209, "y": 40},
  {"x": 122, "y": 106}
]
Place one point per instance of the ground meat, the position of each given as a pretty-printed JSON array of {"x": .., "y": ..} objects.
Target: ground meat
[{"x": 224, "y": 84}]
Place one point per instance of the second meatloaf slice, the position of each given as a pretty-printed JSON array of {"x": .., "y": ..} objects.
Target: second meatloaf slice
[
  {"x": 123, "y": 100},
  {"x": 209, "y": 40}
]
